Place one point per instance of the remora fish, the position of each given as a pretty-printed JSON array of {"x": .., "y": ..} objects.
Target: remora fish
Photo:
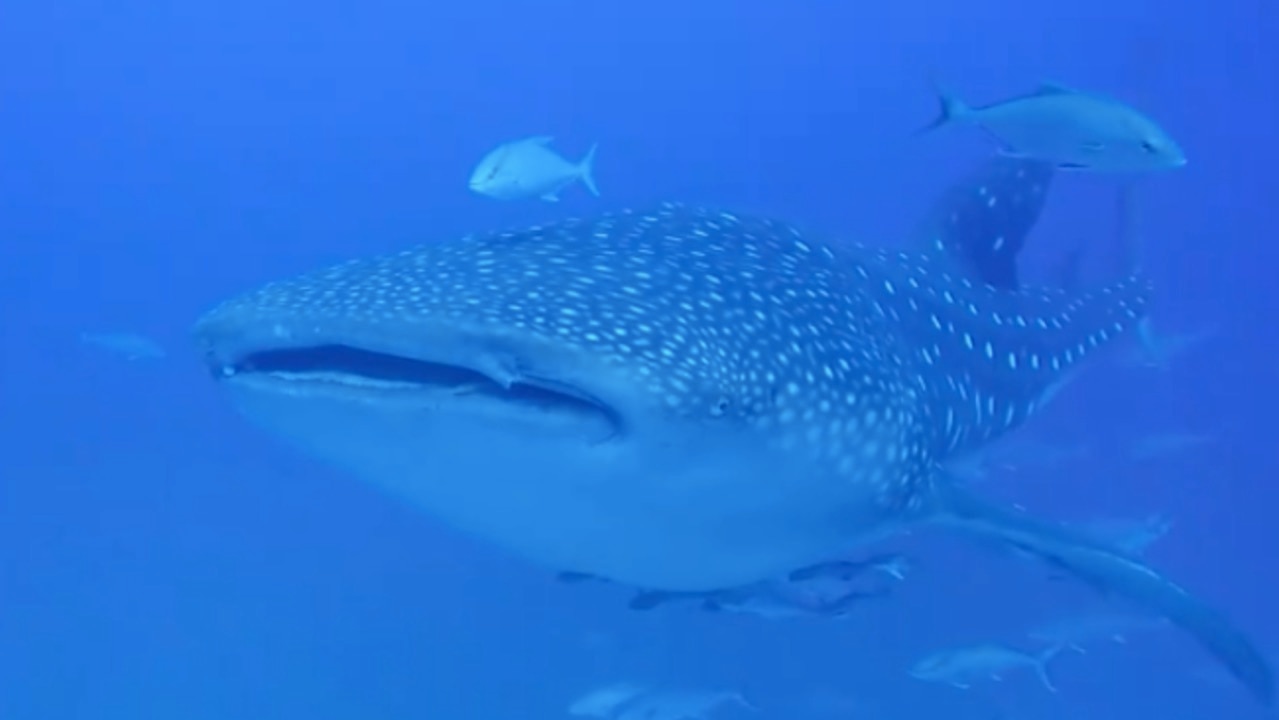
[
  {"x": 1076, "y": 632},
  {"x": 682, "y": 399},
  {"x": 530, "y": 168},
  {"x": 961, "y": 667},
  {"x": 829, "y": 590},
  {"x": 890, "y": 564},
  {"x": 1071, "y": 129}
]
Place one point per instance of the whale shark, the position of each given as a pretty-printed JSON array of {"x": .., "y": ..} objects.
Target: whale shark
[{"x": 684, "y": 398}]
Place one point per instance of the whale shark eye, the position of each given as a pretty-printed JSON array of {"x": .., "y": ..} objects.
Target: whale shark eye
[
  {"x": 1150, "y": 147},
  {"x": 720, "y": 406}
]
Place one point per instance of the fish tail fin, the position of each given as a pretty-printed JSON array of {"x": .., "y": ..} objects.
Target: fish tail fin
[
  {"x": 1043, "y": 662},
  {"x": 893, "y": 565},
  {"x": 740, "y": 700},
  {"x": 586, "y": 170},
  {"x": 1112, "y": 573},
  {"x": 1151, "y": 345},
  {"x": 950, "y": 109}
]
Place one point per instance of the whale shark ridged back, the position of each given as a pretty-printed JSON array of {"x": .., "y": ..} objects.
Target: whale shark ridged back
[{"x": 752, "y": 396}]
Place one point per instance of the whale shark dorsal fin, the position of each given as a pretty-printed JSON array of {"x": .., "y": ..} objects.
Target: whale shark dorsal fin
[{"x": 981, "y": 222}]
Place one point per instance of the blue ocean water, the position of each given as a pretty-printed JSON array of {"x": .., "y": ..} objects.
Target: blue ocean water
[{"x": 160, "y": 559}]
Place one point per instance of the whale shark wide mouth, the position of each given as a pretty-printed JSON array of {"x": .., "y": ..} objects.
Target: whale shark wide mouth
[{"x": 367, "y": 371}]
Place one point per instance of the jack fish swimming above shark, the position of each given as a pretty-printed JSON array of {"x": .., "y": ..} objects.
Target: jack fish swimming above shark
[{"x": 683, "y": 399}]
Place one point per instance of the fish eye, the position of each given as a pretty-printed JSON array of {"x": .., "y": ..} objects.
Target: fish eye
[{"x": 1149, "y": 146}]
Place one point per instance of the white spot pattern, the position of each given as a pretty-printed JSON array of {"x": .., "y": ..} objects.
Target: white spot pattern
[{"x": 873, "y": 364}]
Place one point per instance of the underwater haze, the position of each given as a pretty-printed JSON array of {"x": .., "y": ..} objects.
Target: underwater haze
[{"x": 162, "y": 558}]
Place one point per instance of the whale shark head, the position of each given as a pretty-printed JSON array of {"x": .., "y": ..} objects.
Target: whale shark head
[{"x": 663, "y": 398}]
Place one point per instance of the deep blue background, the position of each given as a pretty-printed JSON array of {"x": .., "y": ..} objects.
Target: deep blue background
[{"x": 160, "y": 560}]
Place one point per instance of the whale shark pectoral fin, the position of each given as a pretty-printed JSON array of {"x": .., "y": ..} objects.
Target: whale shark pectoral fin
[{"x": 1113, "y": 574}]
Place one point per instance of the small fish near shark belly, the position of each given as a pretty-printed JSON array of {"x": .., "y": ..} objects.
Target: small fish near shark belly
[{"x": 770, "y": 400}]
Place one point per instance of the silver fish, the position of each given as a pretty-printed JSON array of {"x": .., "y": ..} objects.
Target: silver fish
[
  {"x": 961, "y": 667},
  {"x": 831, "y": 590},
  {"x": 529, "y": 168},
  {"x": 131, "y": 346},
  {"x": 682, "y": 399},
  {"x": 1070, "y": 129},
  {"x": 607, "y": 701},
  {"x": 891, "y": 564},
  {"x": 826, "y": 597},
  {"x": 1077, "y": 632},
  {"x": 678, "y": 704}
]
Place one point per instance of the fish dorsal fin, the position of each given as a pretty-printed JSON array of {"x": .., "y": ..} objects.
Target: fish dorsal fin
[
  {"x": 1053, "y": 88},
  {"x": 981, "y": 222}
]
